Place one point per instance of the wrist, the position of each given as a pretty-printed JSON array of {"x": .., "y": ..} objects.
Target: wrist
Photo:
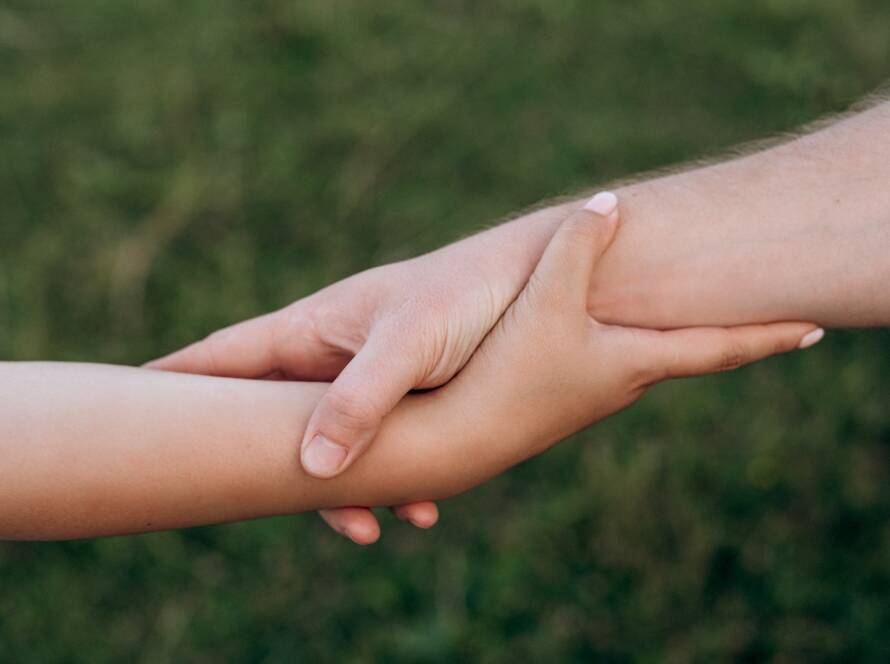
[
  {"x": 684, "y": 257},
  {"x": 506, "y": 255}
]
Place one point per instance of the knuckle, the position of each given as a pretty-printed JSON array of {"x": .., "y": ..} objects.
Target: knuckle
[
  {"x": 211, "y": 348},
  {"x": 582, "y": 229},
  {"x": 333, "y": 517},
  {"x": 338, "y": 519},
  {"x": 648, "y": 367},
  {"x": 636, "y": 359},
  {"x": 783, "y": 345},
  {"x": 732, "y": 357},
  {"x": 665, "y": 365},
  {"x": 351, "y": 409},
  {"x": 643, "y": 375},
  {"x": 299, "y": 320}
]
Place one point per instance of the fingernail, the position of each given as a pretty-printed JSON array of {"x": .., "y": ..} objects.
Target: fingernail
[
  {"x": 604, "y": 203},
  {"x": 323, "y": 458},
  {"x": 811, "y": 338}
]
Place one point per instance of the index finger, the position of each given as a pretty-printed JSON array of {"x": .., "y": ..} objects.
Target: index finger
[{"x": 244, "y": 350}]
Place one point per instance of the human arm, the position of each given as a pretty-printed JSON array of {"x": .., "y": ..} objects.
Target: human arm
[
  {"x": 93, "y": 450},
  {"x": 797, "y": 231}
]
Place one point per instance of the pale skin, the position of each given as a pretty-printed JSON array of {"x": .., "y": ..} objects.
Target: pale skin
[
  {"x": 795, "y": 232},
  {"x": 94, "y": 450}
]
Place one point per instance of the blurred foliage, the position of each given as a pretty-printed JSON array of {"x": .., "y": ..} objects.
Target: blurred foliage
[{"x": 170, "y": 167}]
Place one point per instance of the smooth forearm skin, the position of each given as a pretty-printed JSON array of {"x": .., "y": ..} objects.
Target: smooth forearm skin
[
  {"x": 797, "y": 232},
  {"x": 91, "y": 450}
]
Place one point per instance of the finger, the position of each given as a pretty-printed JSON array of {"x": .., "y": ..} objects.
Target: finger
[
  {"x": 698, "y": 351},
  {"x": 565, "y": 269},
  {"x": 356, "y": 523},
  {"x": 283, "y": 343},
  {"x": 349, "y": 414},
  {"x": 423, "y": 515},
  {"x": 245, "y": 350}
]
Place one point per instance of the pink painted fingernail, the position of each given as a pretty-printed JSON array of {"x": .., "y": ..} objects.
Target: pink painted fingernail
[
  {"x": 322, "y": 457},
  {"x": 604, "y": 203},
  {"x": 811, "y": 338}
]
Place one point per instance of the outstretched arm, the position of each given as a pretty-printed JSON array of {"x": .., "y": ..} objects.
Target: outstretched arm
[{"x": 89, "y": 450}]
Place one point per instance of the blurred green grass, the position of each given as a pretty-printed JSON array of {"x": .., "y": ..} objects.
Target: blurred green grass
[{"x": 168, "y": 168}]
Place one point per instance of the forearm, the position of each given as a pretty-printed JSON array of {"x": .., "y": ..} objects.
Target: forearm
[
  {"x": 88, "y": 450},
  {"x": 797, "y": 232}
]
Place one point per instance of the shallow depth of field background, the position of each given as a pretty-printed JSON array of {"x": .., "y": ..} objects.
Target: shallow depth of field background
[{"x": 168, "y": 168}]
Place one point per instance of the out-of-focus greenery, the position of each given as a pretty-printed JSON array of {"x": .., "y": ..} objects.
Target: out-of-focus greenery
[{"x": 168, "y": 168}]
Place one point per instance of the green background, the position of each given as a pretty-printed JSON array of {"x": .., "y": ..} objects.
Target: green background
[{"x": 167, "y": 168}]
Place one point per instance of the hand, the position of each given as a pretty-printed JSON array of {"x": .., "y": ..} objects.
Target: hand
[
  {"x": 377, "y": 335},
  {"x": 549, "y": 369}
]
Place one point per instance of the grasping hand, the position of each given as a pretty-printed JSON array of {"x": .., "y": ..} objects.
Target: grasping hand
[
  {"x": 410, "y": 324},
  {"x": 549, "y": 368},
  {"x": 376, "y": 335}
]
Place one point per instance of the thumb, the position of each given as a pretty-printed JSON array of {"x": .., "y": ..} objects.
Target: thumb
[
  {"x": 348, "y": 416},
  {"x": 565, "y": 269}
]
